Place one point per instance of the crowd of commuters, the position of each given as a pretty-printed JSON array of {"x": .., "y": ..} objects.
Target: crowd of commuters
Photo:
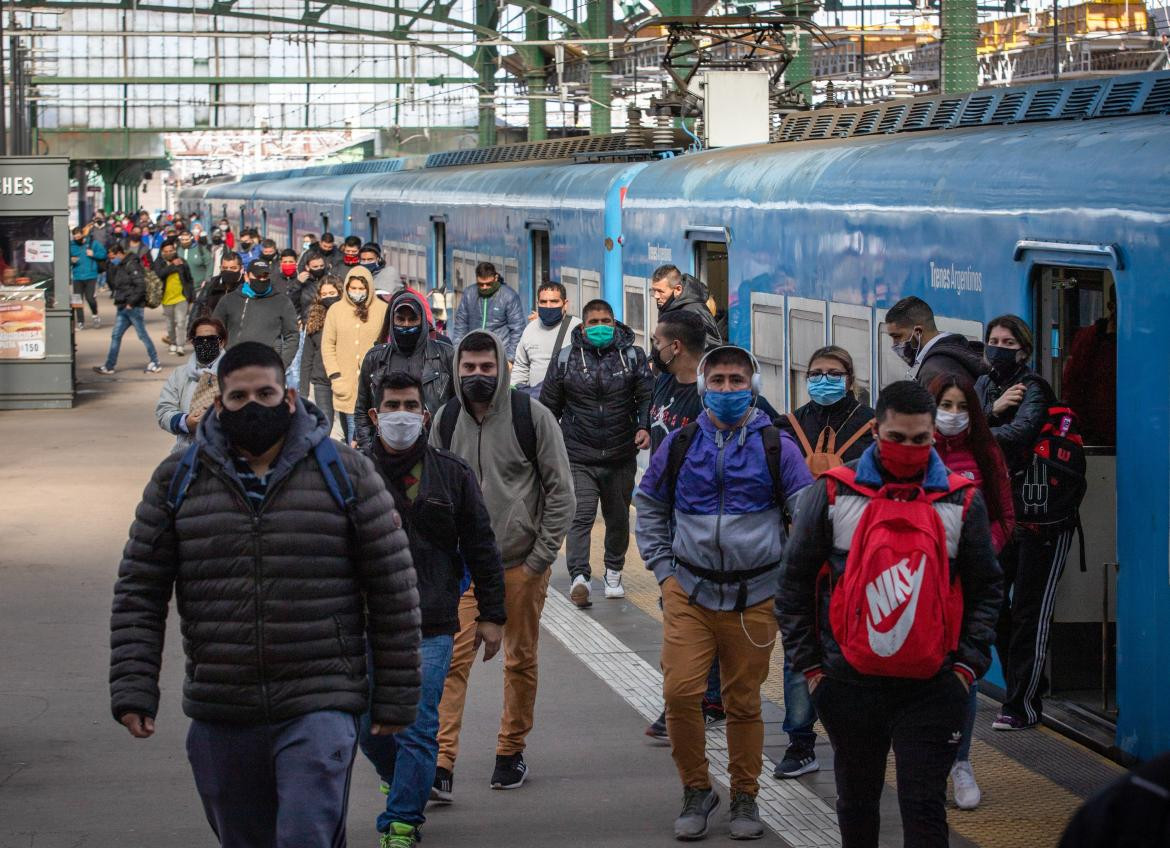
[{"x": 459, "y": 466}]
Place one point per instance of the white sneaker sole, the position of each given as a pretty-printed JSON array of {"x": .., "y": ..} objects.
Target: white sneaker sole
[
  {"x": 611, "y": 594},
  {"x": 805, "y": 769},
  {"x": 516, "y": 785}
]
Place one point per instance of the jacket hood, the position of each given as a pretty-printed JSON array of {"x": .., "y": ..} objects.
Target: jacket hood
[
  {"x": 623, "y": 336},
  {"x": 418, "y": 300},
  {"x": 309, "y": 426},
  {"x": 958, "y": 347},
  {"x": 367, "y": 279},
  {"x": 693, "y": 291},
  {"x": 500, "y": 398}
]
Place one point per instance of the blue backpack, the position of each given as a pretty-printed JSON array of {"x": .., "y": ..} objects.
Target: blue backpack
[{"x": 336, "y": 478}]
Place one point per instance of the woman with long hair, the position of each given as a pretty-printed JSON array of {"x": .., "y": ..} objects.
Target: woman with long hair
[
  {"x": 1016, "y": 400},
  {"x": 351, "y": 328},
  {"x": 314, "y": 377},
  {"x": 966, "y": 446}
]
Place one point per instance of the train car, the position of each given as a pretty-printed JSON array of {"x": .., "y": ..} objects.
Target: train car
[
  {"x": 810, "y": 242},
  {"x": 532, "y": 221},
  {"x": 192, "y": 199},
  {"x": 236, "y": 200}
]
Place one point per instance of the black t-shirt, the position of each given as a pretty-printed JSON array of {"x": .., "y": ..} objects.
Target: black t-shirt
[{"x": 674, "y": 405}]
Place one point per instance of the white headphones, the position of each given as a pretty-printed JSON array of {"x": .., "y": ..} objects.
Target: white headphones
[{"x": 757, "y": 379}]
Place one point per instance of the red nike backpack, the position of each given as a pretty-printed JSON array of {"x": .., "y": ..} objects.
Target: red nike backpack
[{"x": 895, "y": 612}]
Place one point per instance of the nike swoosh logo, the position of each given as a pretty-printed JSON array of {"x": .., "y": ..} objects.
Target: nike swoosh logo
[{"x": 889, "y": 643}]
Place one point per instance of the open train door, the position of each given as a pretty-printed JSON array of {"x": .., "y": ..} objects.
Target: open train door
[{"x": 1075, "y": 297}]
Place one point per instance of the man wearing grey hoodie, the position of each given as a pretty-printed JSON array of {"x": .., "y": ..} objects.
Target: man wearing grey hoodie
[{"x": 531, "y": 505}]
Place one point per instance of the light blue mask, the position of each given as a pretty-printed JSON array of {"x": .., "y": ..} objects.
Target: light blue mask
[
  {"x": 826, "y": 390},
  {"x": 728, "y": 407}
]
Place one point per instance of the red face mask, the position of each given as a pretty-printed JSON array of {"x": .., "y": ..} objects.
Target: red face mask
[
  {"x": 902, "y": 460},
  {"x": 350, "y": 260},
  {"x": 288, "y": 268}
]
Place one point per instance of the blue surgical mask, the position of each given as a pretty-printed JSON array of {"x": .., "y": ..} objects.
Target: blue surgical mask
[
  {"x": 550, "y": 316},
  {"x": 728, "y": 407},
  {"x": 826, "y": 390},
  {"x": 115, "y": 260}
]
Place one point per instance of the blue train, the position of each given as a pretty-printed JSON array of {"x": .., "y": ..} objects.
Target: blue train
[{"x": 1051, "y": 201}]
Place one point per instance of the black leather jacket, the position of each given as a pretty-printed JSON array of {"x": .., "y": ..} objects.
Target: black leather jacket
[{"x": 1017, "y": 428}]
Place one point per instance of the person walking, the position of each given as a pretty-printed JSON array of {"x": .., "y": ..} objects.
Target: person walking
[
  {"x": 442, "y": 510},
  {"x": 917, "y": 341},
  {"x": 254, "y": 313},
  {"x": 127, "y": 282},
  {"x": 191, "y": 388},
  {"x": 284, "y": 621},
  {"x": 518, "y": 454},
  {"x": 178, "y": 293},
  {"x": 964, "y": 443},
  {"x": 908, "y": 550},
  {"x": 490, "y": 306},
  {"x": 85, "y": 254},
  {"x": 543, "y": 338},
  {"x": 197, "y": 256},
  {"x": 599, "y": 389},
  {"x": 351, "y": 329},
  {"x": 1016, "y": 401},
  {"x": 411, "y": 346},
  {"x": 711, "y": 526},
  {"x": 313, "y": 373}
]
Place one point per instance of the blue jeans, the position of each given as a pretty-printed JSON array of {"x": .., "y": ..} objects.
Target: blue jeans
[
  {"x": 282, "y": 785},
  {"x": 129, "y": 316},
  {"x": 799, "y": 713},
  {"x": 292, "y": 374},
  {"x": 406, "y": 761},
  {"x": 964, "y": 752}
]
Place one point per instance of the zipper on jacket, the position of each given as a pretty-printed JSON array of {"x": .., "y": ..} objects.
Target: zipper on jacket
[
  {"x": 719, "y": 462},
  {"x": 483, "y": 319}
]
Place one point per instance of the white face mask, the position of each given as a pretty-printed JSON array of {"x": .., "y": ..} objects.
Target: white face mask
[
  {"x": 951, "y": 423},
  {"x": 399, "y": 430},
  {"x": 357, "y": 297}
]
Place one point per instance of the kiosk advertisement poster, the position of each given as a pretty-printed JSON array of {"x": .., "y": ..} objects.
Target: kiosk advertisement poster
[{"x": 22, "y": 323}]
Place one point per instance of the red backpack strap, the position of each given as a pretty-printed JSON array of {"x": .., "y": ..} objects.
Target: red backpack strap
[{"x": 846, "y": 476}]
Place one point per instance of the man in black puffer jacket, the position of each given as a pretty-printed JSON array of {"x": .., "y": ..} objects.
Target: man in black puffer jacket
[
  {"x": 127, "y": 281},
  {"x": 600, "y": 390},
  {"x": 276, "y": 610},
  {"x": 442, "y": 509}
]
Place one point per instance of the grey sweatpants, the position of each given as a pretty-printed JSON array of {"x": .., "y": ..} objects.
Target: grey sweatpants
[{"x": 613, "y": 486}]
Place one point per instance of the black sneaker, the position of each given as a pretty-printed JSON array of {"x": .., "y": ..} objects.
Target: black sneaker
[
  {"x": 657, "y": 731},
  {"x": 510, "y": 771},
  {"x": 798, "y": 760},
  {"x": 713, "y": 712},
  {"x": 443, "y": 790}
]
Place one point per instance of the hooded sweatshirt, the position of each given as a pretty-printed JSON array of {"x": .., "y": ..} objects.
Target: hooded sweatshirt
[
  {"x": 263, "y": 318},
  {"x": 429, "y": 361},
  {"x": 530, "y": 509},
  {"x": 346, "y": 338},
  {"x": 693, "y": 298}
]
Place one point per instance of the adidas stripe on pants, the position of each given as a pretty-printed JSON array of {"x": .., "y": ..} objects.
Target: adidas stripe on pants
[{"x": 1032, "y": 566}]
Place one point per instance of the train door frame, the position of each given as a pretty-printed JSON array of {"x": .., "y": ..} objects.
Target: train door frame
[
  {"x": 704, "y": 241},
  {"x": 539, "y": 255},
  {"x": 1085, "y": 611},
  {"x": 263, "y": 223},
  {"x": 291, "y": 230},
  {"x": 372, "y": 220},
  {"x": 325, "y": 223},
  {"x": 439, "y": 252}
]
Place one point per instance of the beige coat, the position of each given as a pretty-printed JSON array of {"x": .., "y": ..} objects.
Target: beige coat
[{"x": 346, "y": 339}]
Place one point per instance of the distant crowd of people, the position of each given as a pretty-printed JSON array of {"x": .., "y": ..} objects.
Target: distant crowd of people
[{"x": 361, "y": 496}]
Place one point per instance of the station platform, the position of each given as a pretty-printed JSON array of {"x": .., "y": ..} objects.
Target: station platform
[{"x": 69, "y": 776}]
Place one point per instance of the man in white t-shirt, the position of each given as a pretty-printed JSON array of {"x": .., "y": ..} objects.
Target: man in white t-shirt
[{"x": 548, "y": 332}]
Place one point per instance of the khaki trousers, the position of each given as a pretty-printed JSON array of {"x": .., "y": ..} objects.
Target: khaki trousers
[
  {"x": 693, "y": 637},
  {"x": 524, "y": 595}
]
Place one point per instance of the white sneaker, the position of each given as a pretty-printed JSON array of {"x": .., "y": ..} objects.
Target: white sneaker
[
  {"x": 613, "y": 584},
  {"x": 967, "y": 794},
  {"x": 179, "y": 350},
  {"x": 579, "y": 591},
  {"x": 97, "y": 321},
  {"x": 174, "y": 348}
]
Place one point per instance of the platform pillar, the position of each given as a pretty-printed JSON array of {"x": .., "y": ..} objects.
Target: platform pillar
[{"x": 960, "y": 39}]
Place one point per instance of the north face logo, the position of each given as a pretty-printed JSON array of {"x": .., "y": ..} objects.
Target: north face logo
[{"x": 894, "y": 590}]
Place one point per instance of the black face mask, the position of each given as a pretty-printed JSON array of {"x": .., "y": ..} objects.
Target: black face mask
[
  {"x": 329, "y": 301},
  {"x": 406, "y": 338},
  {"x": 254, "y": 427},
  {"x": 230, "y": 278},
  {"x": 1002, "y": 360},
  {"x": 206, "y": 349},
  {"x": 660, "y": 365},
  {"x": 479, "y": 388},
  {"x": 316, "y": 273}
]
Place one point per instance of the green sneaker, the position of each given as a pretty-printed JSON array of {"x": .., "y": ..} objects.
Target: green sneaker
[{"x": 400, "y": 836}]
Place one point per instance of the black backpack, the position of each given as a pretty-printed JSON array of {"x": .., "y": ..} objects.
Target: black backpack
[{"x": 521, "y": 422}]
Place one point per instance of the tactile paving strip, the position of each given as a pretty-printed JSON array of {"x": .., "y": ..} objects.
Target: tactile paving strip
[{"x": 796, "y": 814}]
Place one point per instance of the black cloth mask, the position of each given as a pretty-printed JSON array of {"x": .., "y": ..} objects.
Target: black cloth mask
[
  {"x": 254, "y": 427},
  {"x": 1002, "y": 360},
  {"x": 479, "y": 388},
  {"x": 206, "y": 349}
]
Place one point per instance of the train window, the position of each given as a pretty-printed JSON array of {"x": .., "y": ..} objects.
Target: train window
[
  {"x": 806, "y": 333},
  {"x": 711, "y": 267},
  {"x": 439, "y": 245},
  {"x": 540, "y": 260},
  {"x": 768, "y": 343},
  {"x": 590, "y": 286},
  {"x": 374, "y": 228},
  {"x": 634, "y": 313},
  {"x": 571, "y": 280},
  {"x": 849, "y": 327}
]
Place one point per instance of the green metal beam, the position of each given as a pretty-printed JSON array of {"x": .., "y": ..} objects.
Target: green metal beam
[
  {"x": 302, "y": 80},
  {"x": 599, "y": 22},
  {"x": 485, "y": 61},
  {"x": 799, "y": 71},
  {"x": 535, "y": 29},
  {"x": 960, "y": 42}
]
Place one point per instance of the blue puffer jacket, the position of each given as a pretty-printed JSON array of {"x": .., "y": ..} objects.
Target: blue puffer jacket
[
  {"x": 726, "y": 517},
  {"x": 86, "y": 267}
]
